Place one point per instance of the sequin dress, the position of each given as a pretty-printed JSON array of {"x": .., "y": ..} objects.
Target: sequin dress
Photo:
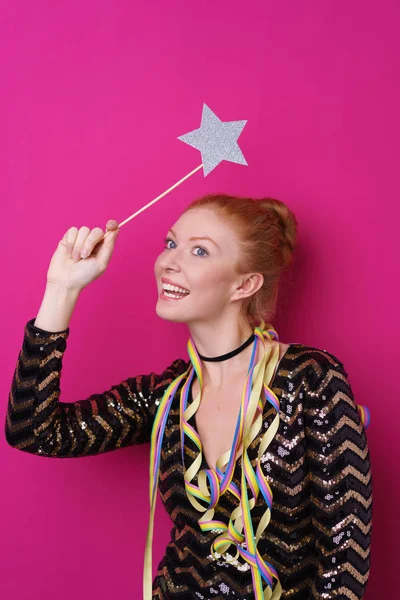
[{"x": 318, "y": 467}]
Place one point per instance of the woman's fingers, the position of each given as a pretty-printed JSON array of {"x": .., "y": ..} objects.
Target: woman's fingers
[
  {"x": 107, "y": 246},
  {"x": 80, "y": 243},
  {"x": 94, "y": 237},
  {"x": 70, "y": 238},
  {"x": 83, "y": 232}
]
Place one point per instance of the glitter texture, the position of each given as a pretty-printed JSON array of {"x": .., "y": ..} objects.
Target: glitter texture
[
  {"x": 216, "y": 140},
  {"x": 318, "y": 466}
]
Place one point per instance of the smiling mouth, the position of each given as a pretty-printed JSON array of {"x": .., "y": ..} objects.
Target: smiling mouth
[{"x": 167, "y": 294}]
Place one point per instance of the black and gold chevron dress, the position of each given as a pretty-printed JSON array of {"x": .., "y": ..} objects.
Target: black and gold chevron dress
[{"x": 318, "y": 467}]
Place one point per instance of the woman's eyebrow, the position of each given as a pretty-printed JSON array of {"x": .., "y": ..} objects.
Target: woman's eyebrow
[{"x": 197, "y": 238}]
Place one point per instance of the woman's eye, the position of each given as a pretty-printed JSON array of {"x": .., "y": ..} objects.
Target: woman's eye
[
  {"x": 203, "y": 250},
  {"x": 167, "y": 240}
]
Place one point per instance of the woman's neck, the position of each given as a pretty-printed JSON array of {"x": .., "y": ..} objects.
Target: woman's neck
[{"x": 216, "y": 339}]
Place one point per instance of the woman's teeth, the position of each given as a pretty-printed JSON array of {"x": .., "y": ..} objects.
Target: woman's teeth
[
  {"x": 169, "y": 295},
  {"x": 173, "y": 291}
]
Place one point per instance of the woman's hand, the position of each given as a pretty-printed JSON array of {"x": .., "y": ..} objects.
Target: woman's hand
[{"x": 79, "y": 258}]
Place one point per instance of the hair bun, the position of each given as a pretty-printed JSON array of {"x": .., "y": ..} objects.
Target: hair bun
[{"x": 285, "y": 221}]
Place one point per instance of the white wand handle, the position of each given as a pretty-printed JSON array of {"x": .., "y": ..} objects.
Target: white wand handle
[{"x": 156, "y": 199}]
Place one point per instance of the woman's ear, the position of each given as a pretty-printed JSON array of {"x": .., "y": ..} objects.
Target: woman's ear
[{"x": 248, "y": 285}]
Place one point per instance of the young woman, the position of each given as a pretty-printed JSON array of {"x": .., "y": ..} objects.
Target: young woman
[{"x": 263, "y": 459}]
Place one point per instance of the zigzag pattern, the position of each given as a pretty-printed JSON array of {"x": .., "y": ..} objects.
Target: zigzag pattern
[{"x": 318, "y": 467}]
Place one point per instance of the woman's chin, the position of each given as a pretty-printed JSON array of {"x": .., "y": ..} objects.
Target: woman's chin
[{"x": 168, "y": 314}]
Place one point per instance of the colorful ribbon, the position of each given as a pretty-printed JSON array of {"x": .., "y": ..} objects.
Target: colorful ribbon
[{"x": 213, "y": 484}]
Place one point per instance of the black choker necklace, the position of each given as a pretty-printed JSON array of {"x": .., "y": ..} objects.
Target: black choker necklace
[{"x": 229, "y": 354}]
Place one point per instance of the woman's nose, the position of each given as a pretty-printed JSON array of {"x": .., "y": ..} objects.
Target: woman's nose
[{"x": 170, "y": 260}]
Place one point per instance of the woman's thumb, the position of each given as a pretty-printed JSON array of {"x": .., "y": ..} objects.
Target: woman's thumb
[
  {"x": 111, "y": 225},
  {"x": 107, "y": 246}
]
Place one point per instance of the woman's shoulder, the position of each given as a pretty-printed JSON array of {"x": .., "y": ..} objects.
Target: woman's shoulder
[
  {"x": 312, "y": 357},
  {"x": 177, "y": 366}
]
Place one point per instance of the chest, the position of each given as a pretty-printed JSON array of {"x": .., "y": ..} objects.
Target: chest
[
  {"x": 217, "y": 415},
  {"x": 216, "y": 420},
  {"x": 284, "y": 462}
]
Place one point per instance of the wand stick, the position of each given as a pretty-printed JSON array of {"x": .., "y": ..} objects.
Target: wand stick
[{"x": 156, "y": 199}]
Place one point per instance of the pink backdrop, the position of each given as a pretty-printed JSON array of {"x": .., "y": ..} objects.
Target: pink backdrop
[{"x": 94, "y": 95}]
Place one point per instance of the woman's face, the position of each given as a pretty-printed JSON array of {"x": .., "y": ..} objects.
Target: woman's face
[{"x": 203, "y": 267}]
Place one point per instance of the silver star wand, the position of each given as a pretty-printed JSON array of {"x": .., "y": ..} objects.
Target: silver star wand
[{"x": 216, "y": 140}]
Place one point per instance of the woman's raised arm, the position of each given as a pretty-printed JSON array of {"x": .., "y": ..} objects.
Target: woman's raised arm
[{"x": 37, "y": 422}]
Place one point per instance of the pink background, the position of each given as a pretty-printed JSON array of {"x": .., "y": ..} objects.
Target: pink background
[{"x": 94, "y": 96}]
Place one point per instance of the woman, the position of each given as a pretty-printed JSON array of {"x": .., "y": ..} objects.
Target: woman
[{"x": 268, "y": 478}]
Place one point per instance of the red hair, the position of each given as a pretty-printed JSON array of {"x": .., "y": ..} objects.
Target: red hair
[{"x": 266, "y": 229}]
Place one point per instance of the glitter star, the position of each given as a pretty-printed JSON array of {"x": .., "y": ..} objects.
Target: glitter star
[{"x": 216, "y": 140}]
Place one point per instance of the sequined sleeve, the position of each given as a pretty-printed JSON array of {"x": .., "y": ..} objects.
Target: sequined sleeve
[
  {"x": 340, "y": 483},
  {"x": 38, "y": 423}
]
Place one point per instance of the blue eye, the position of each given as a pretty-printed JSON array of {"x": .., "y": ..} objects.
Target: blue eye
[
  {"x": 199, "y": 247},
  {"x": 168, "y": 240},
  {"x": 204, "y": 250}
]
